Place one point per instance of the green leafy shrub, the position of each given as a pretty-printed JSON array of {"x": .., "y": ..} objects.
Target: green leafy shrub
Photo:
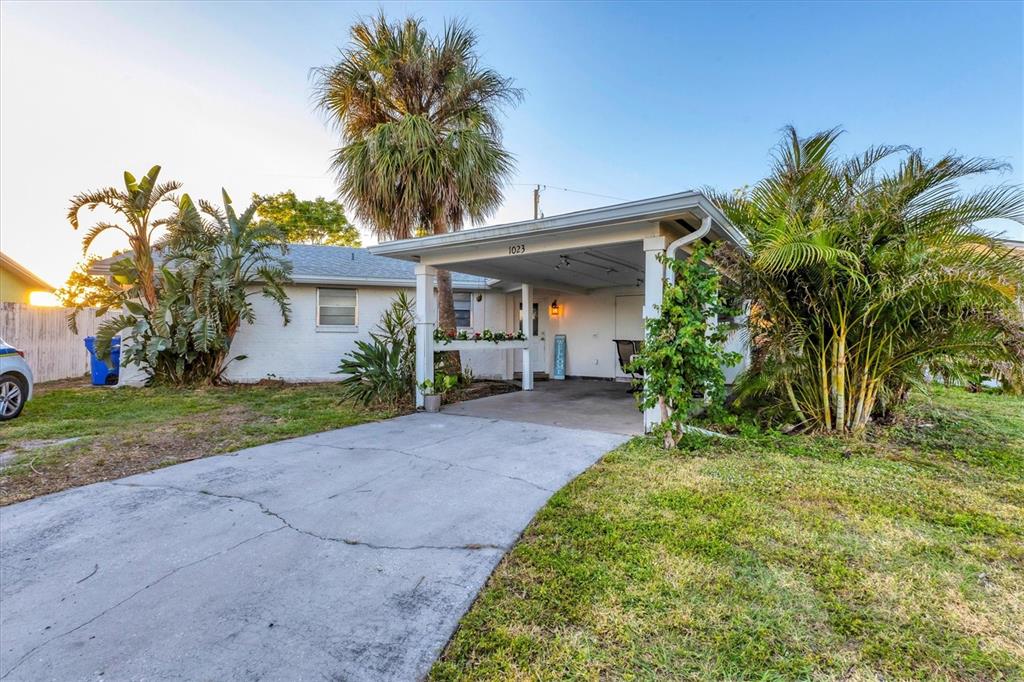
[
  {"x": 441, "y": 384},
  {"x": 375, "y": 374},
  {"x": 683, "y": 353}
]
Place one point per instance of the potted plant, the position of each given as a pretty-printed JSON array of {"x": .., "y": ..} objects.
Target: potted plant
[{"x": 433, "y": 391}]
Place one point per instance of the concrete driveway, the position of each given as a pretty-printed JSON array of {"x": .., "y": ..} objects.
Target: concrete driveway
[{"x": 347, "y": 555}]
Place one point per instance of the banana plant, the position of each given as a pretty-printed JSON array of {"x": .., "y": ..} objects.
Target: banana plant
[
  {"x": 134, "y": 205},
  {"x": 215, "y": 262}
]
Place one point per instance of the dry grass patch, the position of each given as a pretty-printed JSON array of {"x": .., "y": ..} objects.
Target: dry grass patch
[{"x": 98, "y": 434}]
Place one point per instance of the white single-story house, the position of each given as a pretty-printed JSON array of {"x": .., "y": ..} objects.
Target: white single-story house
[{"x": 592, "y": 276}]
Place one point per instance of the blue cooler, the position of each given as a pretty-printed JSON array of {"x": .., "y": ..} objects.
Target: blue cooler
[{"x": 102, "y": 373}]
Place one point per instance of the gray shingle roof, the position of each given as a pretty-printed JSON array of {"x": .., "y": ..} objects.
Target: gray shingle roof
[
  {"x": 329, "y": 264},
  {"x": 346, "y": 261}
]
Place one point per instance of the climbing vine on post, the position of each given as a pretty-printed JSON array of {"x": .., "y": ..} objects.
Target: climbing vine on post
[{"x": 683, "y": 355}]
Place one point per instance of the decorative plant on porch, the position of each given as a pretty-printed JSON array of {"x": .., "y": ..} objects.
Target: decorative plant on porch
[
  {"x": 683, "y": 354},
  {"x": 446, "y": 336}
]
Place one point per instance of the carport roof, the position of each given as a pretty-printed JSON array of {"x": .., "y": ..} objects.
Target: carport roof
[{"x": 654, "y": 209}]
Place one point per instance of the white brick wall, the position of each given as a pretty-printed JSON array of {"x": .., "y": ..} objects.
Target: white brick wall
[{"x": 301, "y": 352}]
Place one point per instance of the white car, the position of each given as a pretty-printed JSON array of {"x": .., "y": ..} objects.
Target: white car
[{"x": 15, "y": 381}]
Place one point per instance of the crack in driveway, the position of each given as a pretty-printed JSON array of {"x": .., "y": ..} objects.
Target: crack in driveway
[
  {"x": 285, "y": 523},
  {"x": 471, "y": 546}
]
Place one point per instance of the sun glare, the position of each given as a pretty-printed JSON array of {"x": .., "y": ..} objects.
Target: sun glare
[{"x": 43, "y": 299}]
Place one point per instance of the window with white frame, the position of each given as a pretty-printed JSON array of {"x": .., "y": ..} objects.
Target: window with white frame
[
  {"x": 463, "y": 309},
  {"x": 336, "y": 307}
]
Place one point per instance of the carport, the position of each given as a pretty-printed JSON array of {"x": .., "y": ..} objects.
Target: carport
[{"x": 591, "y": 275}]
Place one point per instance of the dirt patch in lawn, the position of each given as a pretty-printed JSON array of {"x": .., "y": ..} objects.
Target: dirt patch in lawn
[
  {"x": 44, "y": 387},
  {"x": 481, "y": 389},
  {"x": 35, "y": 471}
]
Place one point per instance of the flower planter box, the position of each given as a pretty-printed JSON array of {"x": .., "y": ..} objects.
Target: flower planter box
[{"x": 440, "y": 347}]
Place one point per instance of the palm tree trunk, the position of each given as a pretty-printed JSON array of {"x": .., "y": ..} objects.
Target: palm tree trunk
[
  {"x": 840, "y": 380},
  {"x": 220, "y": 359},
  {"x": 826, "y": 408},
  {"x": 446, "y": 305},
  {"x": 793, "y": 402},
  {"x": 146, "y": 270}
]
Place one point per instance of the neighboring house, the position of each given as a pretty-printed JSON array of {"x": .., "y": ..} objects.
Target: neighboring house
[{"x": 18, "y": 283}]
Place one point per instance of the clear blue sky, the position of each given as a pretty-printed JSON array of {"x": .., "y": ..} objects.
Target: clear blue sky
[{"x": 623, "y": 100}]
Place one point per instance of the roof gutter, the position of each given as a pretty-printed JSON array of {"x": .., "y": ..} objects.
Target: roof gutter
[{"x": 379, "y": 282}]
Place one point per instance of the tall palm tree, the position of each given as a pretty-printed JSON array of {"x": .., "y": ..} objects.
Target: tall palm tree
[
  {"x": 421, "y": 142},
  {"x": 862, "y": 277},
  {"x": 135, "y": 204}
]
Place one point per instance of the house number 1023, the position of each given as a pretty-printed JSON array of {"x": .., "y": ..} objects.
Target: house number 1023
[{"x": 516, "y": 249}]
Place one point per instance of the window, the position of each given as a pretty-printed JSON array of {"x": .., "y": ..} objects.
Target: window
[
  {"x": 336, "y": 307},
  {"x": 536, "y": 319},
  {"x": 463, "y": 309}
]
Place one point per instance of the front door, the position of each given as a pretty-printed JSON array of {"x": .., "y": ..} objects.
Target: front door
[{"x": 537, "y": 334}]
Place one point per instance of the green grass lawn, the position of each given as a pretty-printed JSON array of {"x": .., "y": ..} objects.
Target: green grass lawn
[
  {"x": 773, "y": 557},
  {"x": 127, "y": 430}
]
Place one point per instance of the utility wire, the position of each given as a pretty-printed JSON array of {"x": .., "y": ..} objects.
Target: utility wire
[{"x": 566, "y": 189}]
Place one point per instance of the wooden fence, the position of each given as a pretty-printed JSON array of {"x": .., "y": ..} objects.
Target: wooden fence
[{"x": 51, "y": 350}]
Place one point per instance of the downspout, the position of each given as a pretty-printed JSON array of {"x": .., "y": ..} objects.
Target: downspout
[
  {"x": 673, "y": 248},
  {"x": 670, "y": 277}
]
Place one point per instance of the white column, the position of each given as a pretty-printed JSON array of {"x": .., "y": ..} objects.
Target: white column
[
  {"x": 528, "y": 330},
  {"x": 654, "y": 288},
  {"x": 426, "y": 320}
]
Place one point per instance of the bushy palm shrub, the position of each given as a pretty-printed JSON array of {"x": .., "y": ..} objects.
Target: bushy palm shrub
[
  {"x": 383, "y": 369},
  {"x": 134, "y": 208},
  {"x": 862, "y": 277}
]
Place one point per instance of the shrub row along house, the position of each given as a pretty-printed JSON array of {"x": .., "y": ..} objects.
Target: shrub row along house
[{"x": 592, "y": 276}]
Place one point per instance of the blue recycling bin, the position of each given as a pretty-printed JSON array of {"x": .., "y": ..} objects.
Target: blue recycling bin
[{"x": 104, "y": 372}]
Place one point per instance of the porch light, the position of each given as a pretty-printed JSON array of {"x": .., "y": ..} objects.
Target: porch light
[{"x": 555, "y": 309}]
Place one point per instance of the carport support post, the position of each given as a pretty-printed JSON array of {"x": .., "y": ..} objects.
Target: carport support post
[
  {"x": 528, "y": 330},
  {"x": 654, "y": 289},
  {"x": 426, "y": 320}
]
